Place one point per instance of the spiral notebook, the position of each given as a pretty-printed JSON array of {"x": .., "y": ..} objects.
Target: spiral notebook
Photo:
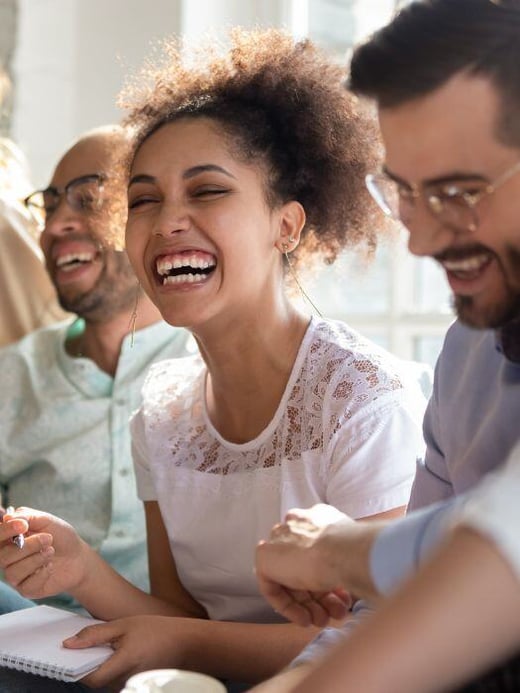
[{"x": 31, "y": 641}]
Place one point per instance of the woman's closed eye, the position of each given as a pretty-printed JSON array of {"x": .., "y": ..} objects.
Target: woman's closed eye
[
  {"x": 141, "y": 201},
  {"x": 209, "y": 191}
]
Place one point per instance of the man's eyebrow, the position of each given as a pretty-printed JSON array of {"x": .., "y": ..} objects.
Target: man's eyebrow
[
  {"x": 455, "y": 177},
  {"x": 85, "y": 178}
]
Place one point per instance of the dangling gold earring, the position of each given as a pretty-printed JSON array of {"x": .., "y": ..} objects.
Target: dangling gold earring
[
  {"x": 305, "y": 295},
  {"x": 133, "y": 317}
]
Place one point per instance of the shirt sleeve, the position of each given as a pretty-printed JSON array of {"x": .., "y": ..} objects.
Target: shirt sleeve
[
  {"x": 145, "y": 487},
  {"x": 373, "y": 458},
  {"x": 493, "y": 509},
  {"x": 328, "y": 638},
  {"x": 432, "y": 480},
  {"x": 404, "y": 544}
]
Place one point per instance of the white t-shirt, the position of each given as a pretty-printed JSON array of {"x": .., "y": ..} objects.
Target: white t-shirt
[
  {"x": 493, "y": 509},
  {"x": 347, "y": 432}
]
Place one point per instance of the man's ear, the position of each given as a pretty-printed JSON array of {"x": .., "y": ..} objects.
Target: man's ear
[{"x": 292, "y": 221}]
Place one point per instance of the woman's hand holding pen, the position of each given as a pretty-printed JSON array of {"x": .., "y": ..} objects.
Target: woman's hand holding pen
[{"x": 53, "y": 559}]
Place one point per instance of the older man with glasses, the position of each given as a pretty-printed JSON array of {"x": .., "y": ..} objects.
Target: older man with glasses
[
  {"x": 445, "y": 75},
  {"x": 69, "y": 389}
]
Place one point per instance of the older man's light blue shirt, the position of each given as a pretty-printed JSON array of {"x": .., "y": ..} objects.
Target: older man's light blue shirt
[{"x": 65, "y": 441}]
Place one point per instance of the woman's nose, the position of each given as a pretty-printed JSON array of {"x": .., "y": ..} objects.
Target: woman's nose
[{"x": 172, "y": 220}]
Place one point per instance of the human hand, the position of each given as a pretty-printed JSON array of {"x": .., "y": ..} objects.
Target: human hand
[
  {"x": 52, "y": 559},
  {"x": 140, "y": 643},
  {"x": 313, "y": 562}
]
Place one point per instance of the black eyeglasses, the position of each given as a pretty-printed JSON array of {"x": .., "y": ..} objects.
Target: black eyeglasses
[{"x": 83, "y": 194}]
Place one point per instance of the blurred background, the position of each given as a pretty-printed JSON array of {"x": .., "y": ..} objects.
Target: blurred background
[{"x": 67, "y": 60}]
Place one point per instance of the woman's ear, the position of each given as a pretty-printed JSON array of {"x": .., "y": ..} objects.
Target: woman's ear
[{"x": 292, "y": 221}]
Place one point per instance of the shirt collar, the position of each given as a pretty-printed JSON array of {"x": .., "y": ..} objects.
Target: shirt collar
[{"x": 507, "y": 341}]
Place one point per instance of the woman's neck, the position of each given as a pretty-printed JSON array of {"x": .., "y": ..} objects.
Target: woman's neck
[{"x": 248, "y": 371}]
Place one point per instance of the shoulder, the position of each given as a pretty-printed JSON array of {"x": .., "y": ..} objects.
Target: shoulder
[
  {"x": 466, "y": 346},
  {"x": 36, "y": 347},
  {"x": 351, "y": 363},
  {"x": 460, "y": 336}
]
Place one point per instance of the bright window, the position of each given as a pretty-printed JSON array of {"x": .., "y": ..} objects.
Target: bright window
[{"x": 401, "y": 302}]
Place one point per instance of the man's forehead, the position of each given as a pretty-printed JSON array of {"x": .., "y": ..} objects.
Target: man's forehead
[
  {"x": 88, "y": 156},
  {"x": 452, "y": 128}
]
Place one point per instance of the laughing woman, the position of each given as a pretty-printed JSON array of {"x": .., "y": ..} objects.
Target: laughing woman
[{"x": 240, "y": 162}]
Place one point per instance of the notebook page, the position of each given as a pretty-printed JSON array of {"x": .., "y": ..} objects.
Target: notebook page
[{"x": 35, "y": 635}]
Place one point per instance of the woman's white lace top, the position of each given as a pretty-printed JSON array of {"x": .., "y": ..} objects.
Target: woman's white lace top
[{"x": 347, "y": 432}]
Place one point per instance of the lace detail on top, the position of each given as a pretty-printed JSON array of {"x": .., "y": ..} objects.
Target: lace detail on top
[{"x": 337, "y": 375}]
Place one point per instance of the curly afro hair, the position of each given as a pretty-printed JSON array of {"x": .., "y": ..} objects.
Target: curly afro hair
[{"x": 282, "y": 103}]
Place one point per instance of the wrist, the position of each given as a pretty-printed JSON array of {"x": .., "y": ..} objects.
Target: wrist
[
  {"x": 349, "y": 548},
  {"x": 89, "y": 572},
  {"x": 194, "y": 642}
]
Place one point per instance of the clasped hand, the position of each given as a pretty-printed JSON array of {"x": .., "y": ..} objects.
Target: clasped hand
[{"x": 298, "y": 567}]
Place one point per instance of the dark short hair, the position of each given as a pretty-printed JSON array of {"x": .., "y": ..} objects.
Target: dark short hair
[{"x": 429, "y": 41}]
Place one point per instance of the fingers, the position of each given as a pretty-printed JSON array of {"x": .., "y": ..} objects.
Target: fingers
[
  {"x": 98, "y": 634},
  {"x": 283, "y": 603},
  {"x": 102, "y": 634},
  {"x": 12, "y": 527},
  {"x": 19, "y": 564},
  {"x": 38, "y": 521},
  {"x": 337, "y": 606},
  {"x": 302, "y": 607}
]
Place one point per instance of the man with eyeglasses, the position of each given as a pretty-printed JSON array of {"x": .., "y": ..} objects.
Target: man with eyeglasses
[
  {"x": 445, "y": 75},
  {"x": 69, "y": 389}
]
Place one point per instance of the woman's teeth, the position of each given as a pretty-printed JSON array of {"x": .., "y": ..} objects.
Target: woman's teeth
[{"x": 184, "y": 268}]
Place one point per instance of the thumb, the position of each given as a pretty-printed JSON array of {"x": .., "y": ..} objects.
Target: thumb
[
  {"x": 99, "y": 634},
  {"x": 36, "y": 519}
]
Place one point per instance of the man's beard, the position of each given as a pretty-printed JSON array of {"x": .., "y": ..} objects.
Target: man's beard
[
  {"x": 113, "y": 292},
  {"x": 506, "y": 311},
  {"x": 496, "y": 317}
]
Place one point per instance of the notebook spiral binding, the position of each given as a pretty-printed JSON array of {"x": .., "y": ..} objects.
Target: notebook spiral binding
[{"x": 32, "y": 666}]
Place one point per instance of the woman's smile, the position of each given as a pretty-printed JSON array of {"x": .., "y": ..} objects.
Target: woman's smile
[{"x": 184, "y": 267}]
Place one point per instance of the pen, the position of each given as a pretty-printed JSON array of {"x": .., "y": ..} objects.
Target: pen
[{"x": 18, "y": 539}]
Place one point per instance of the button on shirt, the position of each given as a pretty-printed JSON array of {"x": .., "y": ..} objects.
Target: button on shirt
[{"x": 65, "y": 442}]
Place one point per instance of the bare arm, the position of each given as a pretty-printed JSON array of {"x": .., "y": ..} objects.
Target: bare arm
[
  {"x": 55, "y": 559},
  {"x": 164, "y": 579},
  {"x": 238, "y": 651}
]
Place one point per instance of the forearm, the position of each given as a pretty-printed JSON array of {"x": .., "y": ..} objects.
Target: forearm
[
  {"x": 430, "y": 636},
  {"x": 244, "y": 652},
  {"x": 105, "y": 594}
]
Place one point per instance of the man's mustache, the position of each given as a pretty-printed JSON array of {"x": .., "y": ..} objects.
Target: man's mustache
[{"x": 457, "y": 254}]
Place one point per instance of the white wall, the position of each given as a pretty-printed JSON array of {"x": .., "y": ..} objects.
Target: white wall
[
  {"x": 72, "y": 57},
  {"x": 70, "y": 63},
  {"x": 200, "y": 16}
]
